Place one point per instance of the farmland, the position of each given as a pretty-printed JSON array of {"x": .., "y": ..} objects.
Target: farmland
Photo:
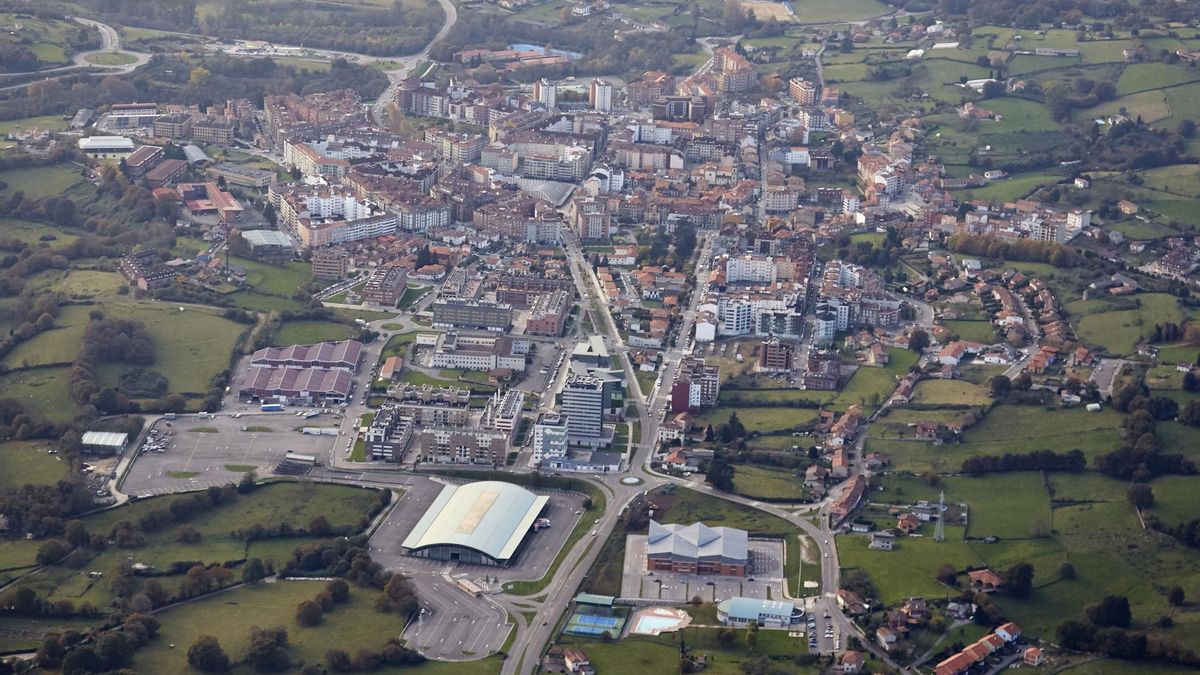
[{"x": 28, "y": 463}]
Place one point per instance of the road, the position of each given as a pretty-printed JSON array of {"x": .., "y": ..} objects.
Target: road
[
  {"x": 409, "y": 62},
  {"x": 111, "y": 42}
]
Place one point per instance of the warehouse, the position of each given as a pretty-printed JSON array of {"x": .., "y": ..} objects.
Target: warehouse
[
  {"x": 272, "y": 246},
  {"x": 341, "y": 355},
  {"x": 104, "y": 442},
  {"x": 307, "y": 386},
  {"x": 481, "y": 523}
]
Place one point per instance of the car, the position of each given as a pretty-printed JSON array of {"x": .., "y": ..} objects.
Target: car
[
  {"x": 826, "y": 555},
  {"x": 593, "y": 533}
]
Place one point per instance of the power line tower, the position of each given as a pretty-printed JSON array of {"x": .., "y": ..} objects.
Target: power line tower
[{"x": 939, "y": 529}]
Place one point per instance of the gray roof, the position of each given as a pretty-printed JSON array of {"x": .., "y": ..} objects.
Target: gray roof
[
  {"x": 195, "y": 154},
  {"x": 750, "y": 609},
  {"x": 266, "y": 238},
  {"x": 488, "y": 516},
  {"x": 108, "y": 439},
  {"x": 696, "y": 541}
]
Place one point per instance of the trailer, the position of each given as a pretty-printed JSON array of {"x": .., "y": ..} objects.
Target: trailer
[{"x": 270, "y": 407}]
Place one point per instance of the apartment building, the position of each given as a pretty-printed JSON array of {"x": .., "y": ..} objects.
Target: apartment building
[
  {"x": 213, "y": 131},
  {"x": 804, "y": 92},
  {"x": 388, "y": 435},
  {"x": 775, "y": 356},
  {"x": 330, "y": 264},
  {"x": 385, "y": 286},
  {"x": 753, "y": 269},
  {"x": 549, "y": 313},
  {"x": 550, "y": 438},
  {"x": 175, "y": 127},
  {"x": 431, "y": 406},
  {"x": 463, "y": 445},
  {"x": 472, "y": 314},
  {"x": 696, "y": 385}
]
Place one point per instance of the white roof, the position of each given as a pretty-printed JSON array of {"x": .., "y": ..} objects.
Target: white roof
[
  {"x": 105, "y": 438},
  {"x": 488, "y": 516},
  {"x": 101, "y": 142}
]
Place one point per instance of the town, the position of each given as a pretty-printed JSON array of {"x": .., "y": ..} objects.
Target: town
[{"x": 581, "y": 336}]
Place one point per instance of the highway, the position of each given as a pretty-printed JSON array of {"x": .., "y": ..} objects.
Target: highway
[{"x": 398, "y": 75}]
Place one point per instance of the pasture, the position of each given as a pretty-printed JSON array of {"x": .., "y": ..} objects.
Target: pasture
[
  {"x": 768, "y": 482},
  {"x": 28, "y": 463},
  {"x": 40, "y": 181},
  {"x": 1119, "y": 331}
]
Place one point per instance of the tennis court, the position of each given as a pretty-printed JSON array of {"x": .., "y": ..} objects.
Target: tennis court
[{"x": 591, "y": 625}]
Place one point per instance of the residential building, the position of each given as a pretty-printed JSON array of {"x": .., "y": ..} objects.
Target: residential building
[
  {"x": 472, "y": 314},
  {"x": 385, "y": 286},
  {"x": 696, "y": 385},
  {"x": 388, "y": 435},
  {"x": 550, "y": 438},
  {"x": 775, "y": 356},
  {"x": 549, "y": 314},
  {"x": 330, "y": 264},
  {"x": 600, "y": 95}
]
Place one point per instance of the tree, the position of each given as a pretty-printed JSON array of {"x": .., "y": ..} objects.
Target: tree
[
  {"x": 254, "y": 571},
  {"x": 1190, "y": 381},
  {"x": 207, "y": 656},
  {"x": 752, "y": 635},
  {"x": 948, "y": 575},
  {"x": 1141, "y": 496},
  {"x": 1175, "y": 596},
  {"x": 918, "y": 341},
  {"x": 720, "y": 473},
  {"x": 338, "y": 661},
  {"x": 114, "y": 649},
  {"x": 339, "y": 590},
  {"x": 187, "y": 534},
  {"x": 1113, "y": 610},
  {"x": 1066, "y": 571},
  {"x": 268, "y": 649},
  {"x": 1018, "y": 580},
  {"x": 1190, "y": 415},
  {"x": 1000, "y": 386},
  {"x": 308, "y": 613}
]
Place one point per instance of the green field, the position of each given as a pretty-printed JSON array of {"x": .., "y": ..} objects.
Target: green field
[
  {"x": 1005, "y": 429},
  {"x": 972, "y": 331},
  {"x": 112, "y": 59},
  {"x": 309, "y": 332},
  {"x": 58, "y": 345},
  {"x": 43, "y": 390},
  {"x": 48, "y": 122},
  {"x": 1120, "y": 330},
  {"x": 40, "y": 181},
  {"x": 768, "y": 482},
  {"x": 760, "y": 420},
  {"x": 1010, "y": 189},
  {"x": 229, "y": 616},
  {"x": 660, "y": 654},
  {"x": 950, "y": 392},
  {"x": 28, "y": 463}
]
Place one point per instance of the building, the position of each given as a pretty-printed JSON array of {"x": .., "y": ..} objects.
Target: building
[
  {"x": 464, "y": 445},
  {"x": 330, "y": 264},
  {"x": 167, "y": 172},
  {"x": 305, "y": 386},
  {"x": 483, "y": 523},
  {"x": 591, "y": 352},
  {"x": 431, "y": 406},
  {"x": 212, "y": 131},
  {"x": 546, "y": 92},
  {"x": 550, "y": 438},
  {"x": 582, "y": 402},
  {"x": 241, "y": 175},
  {"x": 269, "y": 245},
  {"x": 341, "y": 355},
  {"x": 697, "y": 549},
  {"x": 503, "y": 411},
  {"x": 696, "y": 385},
  {"x": 600, "y": 95},
  {"x": 104, "y": 442},
  {"x": 753, "y": 269},
  {"x": 775, "y": 356},
  {"x": 132, "y": 115},
  {"x": 388, "y": 435},
  {"x": 472, "y": 314},
  {"x": 106, "y": 147},
  {"x": 803, "y": 91},
  {"x": 548, "y": 316},
  {"x": 479, "y": 352},
  {"x": 385, "y": 286},
  {"x": 740, "y": 612},
  {"x": 142, "y": 160},
  {"x": 177, "y": 126}
]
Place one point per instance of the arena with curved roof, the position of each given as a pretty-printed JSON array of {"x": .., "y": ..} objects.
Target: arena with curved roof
[{"x": 481, "y": 523}]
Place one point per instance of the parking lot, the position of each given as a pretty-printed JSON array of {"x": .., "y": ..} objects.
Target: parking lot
[
  {"x": 454, "y": 625},
  {"x": 194, "y": 452},
  {"x": 765, "y": 565},
  {"x": 533, "y": 560}
]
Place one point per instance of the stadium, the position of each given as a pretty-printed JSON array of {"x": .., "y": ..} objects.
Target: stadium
[{"x": 482, "y": 523}]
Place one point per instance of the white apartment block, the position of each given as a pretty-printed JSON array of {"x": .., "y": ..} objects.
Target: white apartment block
[{"x": 755, "y": 269}]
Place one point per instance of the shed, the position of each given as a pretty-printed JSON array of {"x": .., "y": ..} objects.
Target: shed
[{"x": 104, "y": 442}]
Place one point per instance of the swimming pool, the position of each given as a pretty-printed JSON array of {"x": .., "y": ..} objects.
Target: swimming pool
[{"x": 659, "y": 620}]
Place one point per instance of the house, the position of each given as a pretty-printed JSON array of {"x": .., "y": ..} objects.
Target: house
[
  {"x": 886, "y": 637},
  {"x": 1034, "y": 656},
  {"x": 1009, "y": 632},
  {"x": 908, "y": 523},
  {"x": 1127, "y": 207},
  {"x": 849, "y": 602},
  {"x": 852, "y": 662},
  {"x": 814, "y": 476},
  {"x": 883, "y": 541},
  {"x": 678, "y": 460},
  {"x": 985, "y": 580},
  {"x": 577, "y": 662}
]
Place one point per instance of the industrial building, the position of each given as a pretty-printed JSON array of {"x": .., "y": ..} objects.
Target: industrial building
[
  {"x": 343, "y": 355},
  {"x": 483, "y": 523},
  {"x": 697, "y": 549},
  {"x": 305, "y": 386},
  {"x": 269, "y": 245},
  {"x": 104, "y": 442},
  {"x": 739, "y": 612}
]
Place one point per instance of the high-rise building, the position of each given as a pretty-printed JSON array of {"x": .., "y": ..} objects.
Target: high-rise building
[
  {"x": 546, "y": 92},
  {"x": 549, "y": 438},
  {"x": 696, "y": 385},
  {"x": 803, "y": 91},
  {"x": 600, "y": 95},
  {"x": 583, "y": 405}
]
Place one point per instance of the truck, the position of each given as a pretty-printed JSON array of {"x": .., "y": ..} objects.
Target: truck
[{"x": 270, "y": 407}]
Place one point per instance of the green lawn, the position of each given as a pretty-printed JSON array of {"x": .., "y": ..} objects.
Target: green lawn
[
  {"x": 57, "y": 345},
  {"x": 28, "y": 463},
  {"x": 660, "y": 654},
  {"x": 683, "y": 505},
  {"x": 760, "y": 420},
  {"x": 49, "y": 122},
  {"x": 824, "y": 11},
  {"x": 43, "y": 390},
  {"x": 32, "y": 232},
  {"x": 111, "y": 59},
  {"x": 910, "y": 569},
  {"x": 1010, "y": 189},
  {"x": 950, "y": 393},
  {"x": 766, "y": 482},
  {"x": 309, "y": 332},
  {"x": 229, "y": 616},
  {"x": 972, "y": 331},
  {"x": 1120, "y": 330},
  {"x": 41, "y": 181}
]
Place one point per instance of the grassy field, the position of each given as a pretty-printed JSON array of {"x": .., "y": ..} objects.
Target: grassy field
[
  {"x": 1120, "y": 330},
  {"x": 972, "y": 331},
  {"x": 1011, "y": 189},
  {"x": 40, "y": 181},
  {"x": 229, "y": 616},
  {"x": 90, "y": 283},
  {"x": 309, "y": 332},
  {"x": 660, "y": 654},
  {"x": 111, "y": 59},
  {"x": 48, "y": 122},
  {"x": 28, "y": 463},
  {"x": 44, "y": 390},
  {"x": 949, "y": 392},
  {"x": 57, "y": 345},
  {"x": 33, "y": 233},
  {"x": 765, "y": 482},
  {"x": 761, "y": 420},
  {"x": 1011, "y": 429}
]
